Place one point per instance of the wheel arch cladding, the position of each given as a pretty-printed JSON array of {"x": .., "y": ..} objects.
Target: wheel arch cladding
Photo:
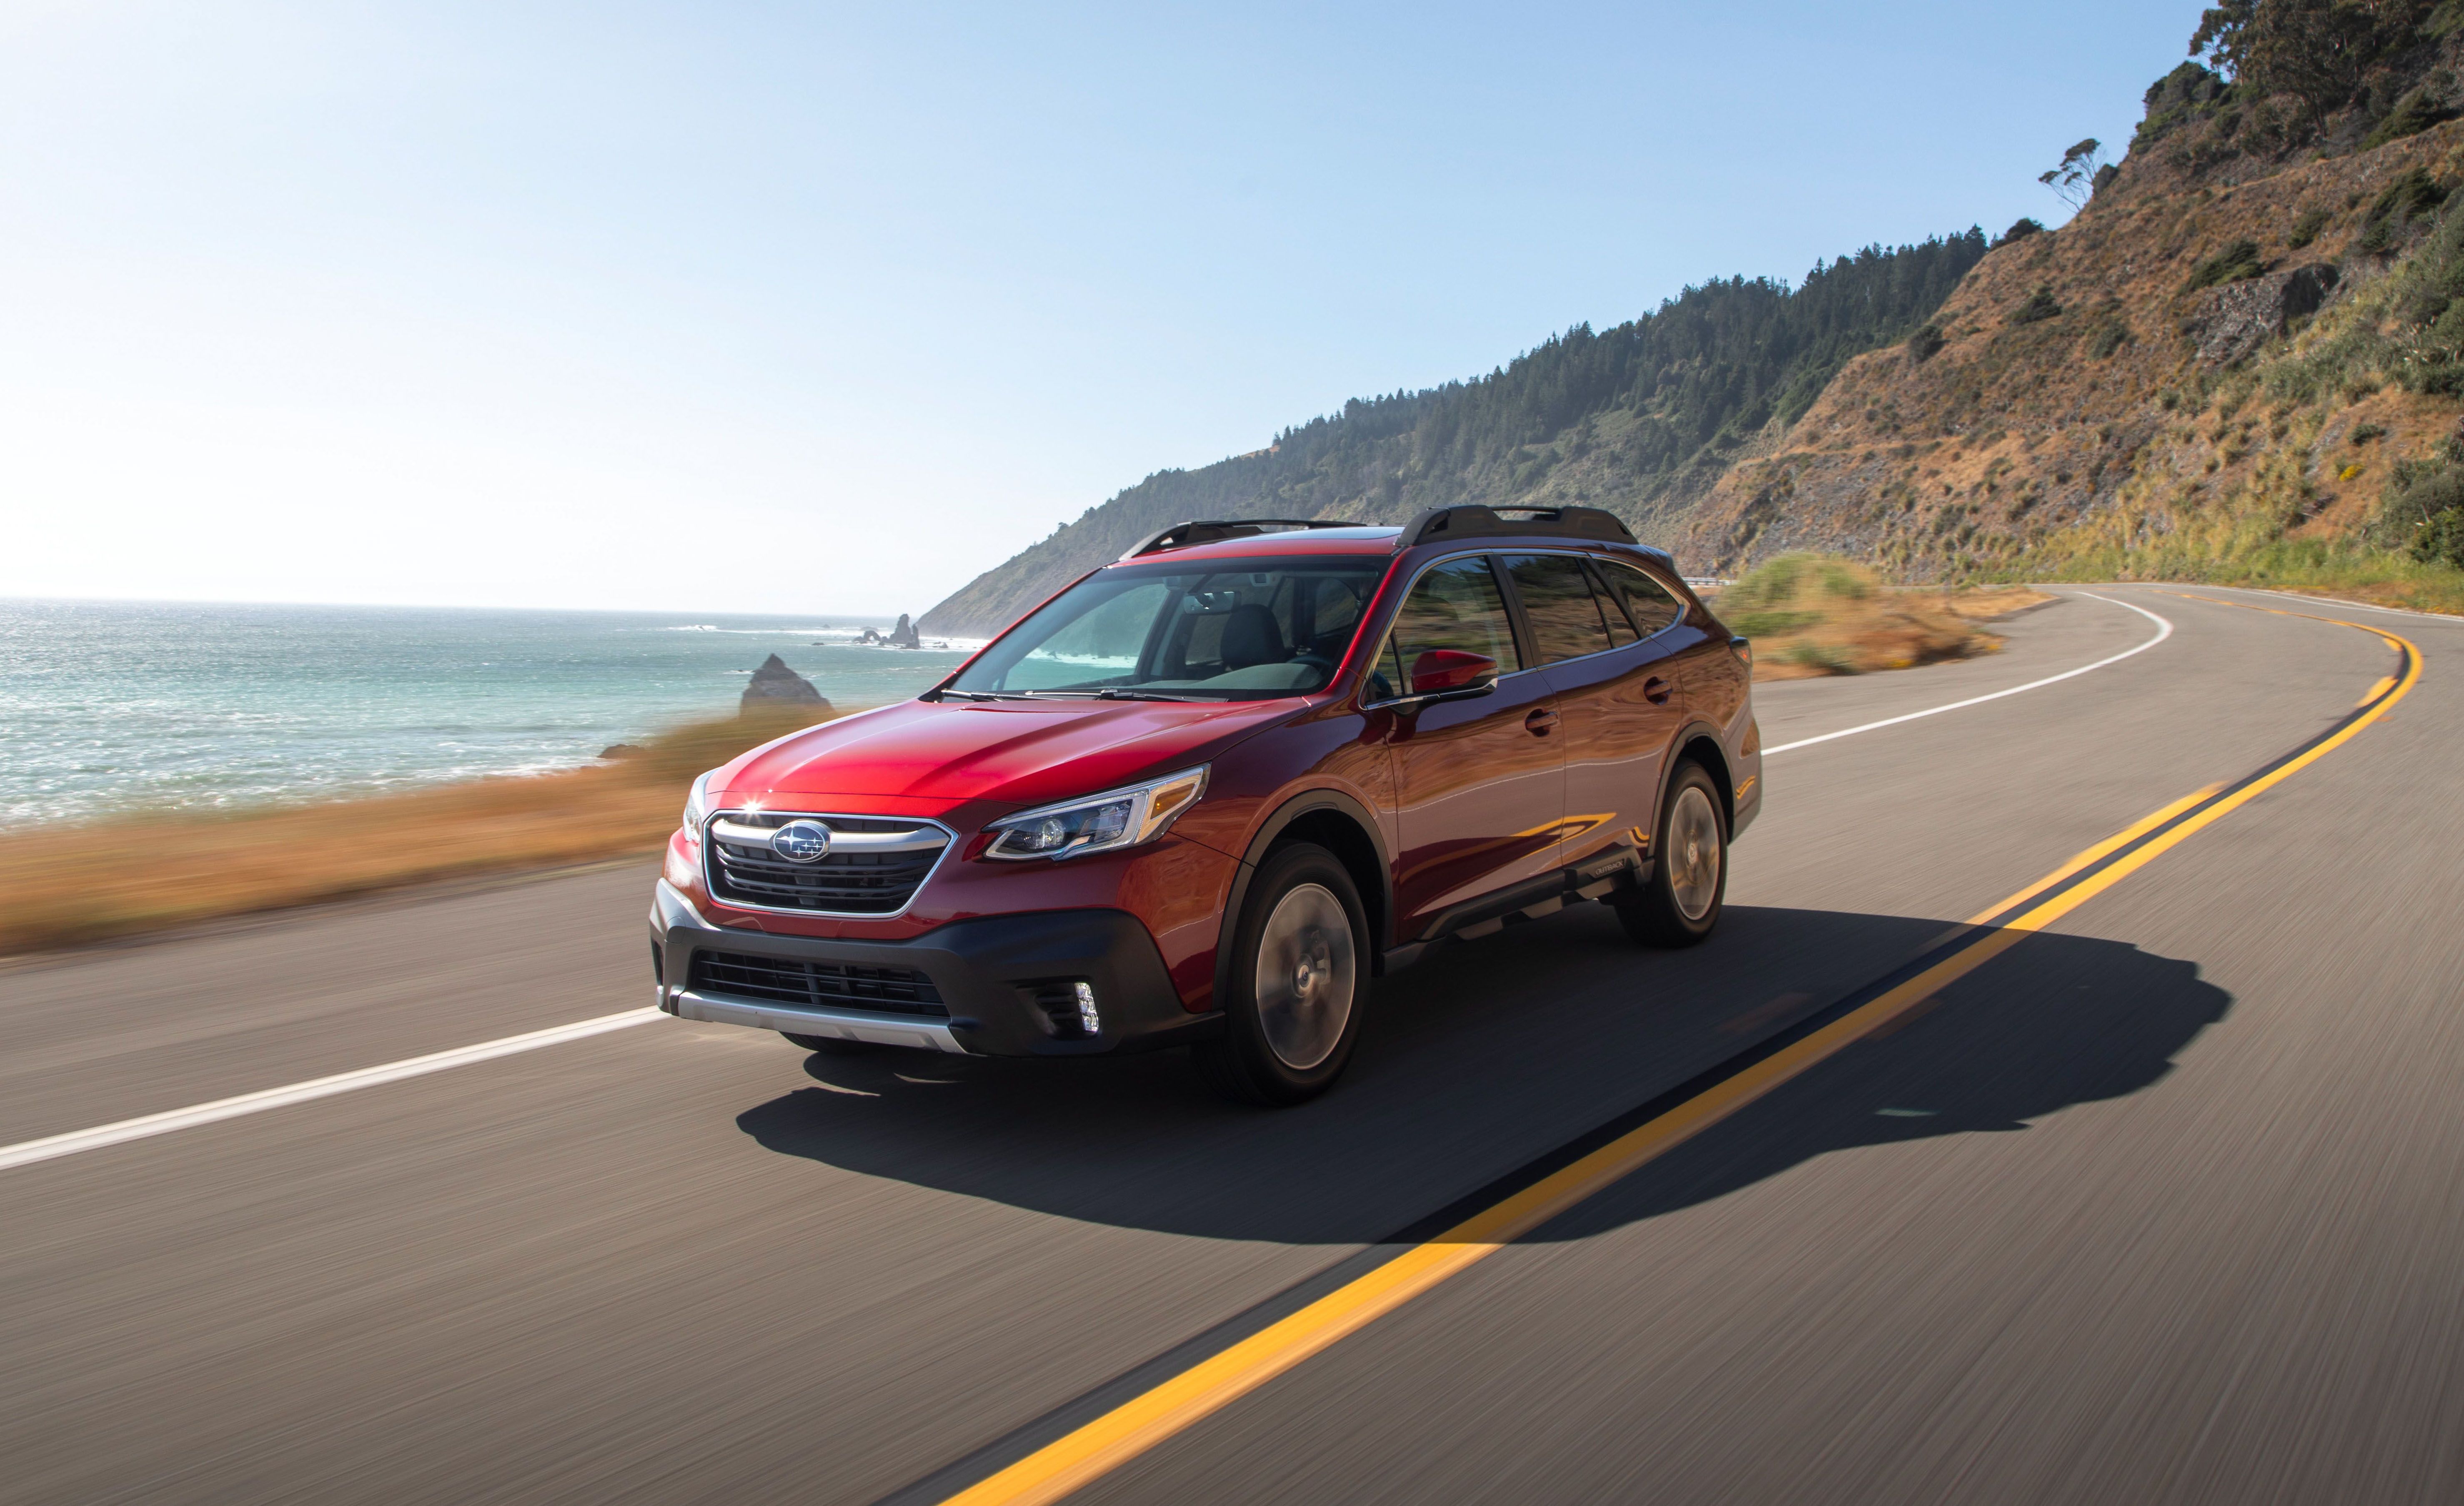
[
  {"x": 1340, "y": 834},
  {"x": 1705, "y": 749}
]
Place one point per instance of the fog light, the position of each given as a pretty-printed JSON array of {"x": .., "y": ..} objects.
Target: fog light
[{"x": 1088, "y": 1019}]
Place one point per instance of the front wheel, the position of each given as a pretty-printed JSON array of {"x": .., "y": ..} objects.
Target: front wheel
[
  {"x": 1680, "y": 905},
  {"x": 1299, "y": 976}
]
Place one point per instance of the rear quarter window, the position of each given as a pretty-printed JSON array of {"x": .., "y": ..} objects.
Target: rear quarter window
[{"x": 1648, "y": 605}]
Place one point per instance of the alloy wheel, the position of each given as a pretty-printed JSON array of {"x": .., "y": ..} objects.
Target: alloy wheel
[
  {"x": 1307, "y": 968},
  {"x": 1694, "y": 854}
]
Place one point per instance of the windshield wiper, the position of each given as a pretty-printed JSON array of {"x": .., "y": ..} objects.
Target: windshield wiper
[
  {"x": 981, "y": 694},
  {"x": 1113, "y": 693}
]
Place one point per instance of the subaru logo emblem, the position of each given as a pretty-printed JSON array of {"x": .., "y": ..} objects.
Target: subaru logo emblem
[{"x": 801, "y": 841}]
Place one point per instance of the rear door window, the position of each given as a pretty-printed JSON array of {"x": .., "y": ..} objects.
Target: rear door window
[{"x": 1557, "y": 605}]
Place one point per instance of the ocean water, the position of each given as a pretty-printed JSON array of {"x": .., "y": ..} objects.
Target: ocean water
[{"x": 108, "y": 706}]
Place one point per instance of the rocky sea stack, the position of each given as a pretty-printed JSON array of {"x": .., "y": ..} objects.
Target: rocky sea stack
[{"x": 775, "y": 684}]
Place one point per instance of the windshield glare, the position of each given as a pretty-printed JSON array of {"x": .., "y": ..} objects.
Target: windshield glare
[{"x": 1267, "y": 628}]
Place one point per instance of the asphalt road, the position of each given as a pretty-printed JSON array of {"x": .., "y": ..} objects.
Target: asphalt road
[{"x": 2164, "y": 1204}]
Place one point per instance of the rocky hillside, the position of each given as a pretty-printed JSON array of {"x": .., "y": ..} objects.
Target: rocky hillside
[{"x": 2230, "y": 363}]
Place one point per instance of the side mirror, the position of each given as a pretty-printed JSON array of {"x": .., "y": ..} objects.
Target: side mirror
[{"x": 1442, "y": 672}]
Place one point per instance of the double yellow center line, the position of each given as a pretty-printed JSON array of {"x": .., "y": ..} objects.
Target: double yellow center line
[{"x": 1549, "y": 1186}]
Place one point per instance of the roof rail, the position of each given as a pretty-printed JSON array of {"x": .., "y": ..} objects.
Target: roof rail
[
  {"x": 1440, "y": 524},
  {"x": 1180, "y": 535}
]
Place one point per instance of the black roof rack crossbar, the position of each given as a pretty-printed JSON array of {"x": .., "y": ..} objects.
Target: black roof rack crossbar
[
  {"x": 1440, "y": 524},
  {"x": 1180, "y": 535}
]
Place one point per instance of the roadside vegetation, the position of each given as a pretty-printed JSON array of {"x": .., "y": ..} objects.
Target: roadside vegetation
[
  {"x": 64, "y": 885},
  {"x": 1811, "y": 614}
]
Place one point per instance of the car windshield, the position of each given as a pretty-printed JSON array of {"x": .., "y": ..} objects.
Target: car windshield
[{"x": 1243, "y": 630}]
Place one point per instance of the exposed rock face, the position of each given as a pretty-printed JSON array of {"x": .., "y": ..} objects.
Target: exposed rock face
[
  {"x": 905, "y": 635},
  {"x": 622, "y": 750},
  {"x": 775, "y": 684},
  {"x": 2241, "y": 317}
]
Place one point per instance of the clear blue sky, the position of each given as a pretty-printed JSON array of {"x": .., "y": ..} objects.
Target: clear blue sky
[{"x": 807, "y": 308}]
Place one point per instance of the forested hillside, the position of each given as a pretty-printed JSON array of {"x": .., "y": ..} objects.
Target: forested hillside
[{"x": 1641, "y": 419}]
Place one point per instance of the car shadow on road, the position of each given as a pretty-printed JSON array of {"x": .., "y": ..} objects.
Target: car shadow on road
[{"x": 1502, "y": 1049}]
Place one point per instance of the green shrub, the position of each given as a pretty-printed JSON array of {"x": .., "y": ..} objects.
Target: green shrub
[
  {"x": 2423, "y": 506},
  {"x": 2040, "y": 305},
  {"x": 1925, "y": 343},
  {"x": 2232, "y": 264},
  {"x": 1772, "y": 624},
  {"x": 2414, "y": 194},
  {"x": 2111, "y": 337},
  {"x": 2306, "y": 228},
  {"x": 2365, "y": 433},
  {"x": 2441, "y": 540},
  {"x": 1771, "y": 582},
  {"x": 1816, "y": 657},
  {"x": 2413, "y": 115},
  {"x": 2020, "y": 229},
  {"x": 1837, "y": 580}
]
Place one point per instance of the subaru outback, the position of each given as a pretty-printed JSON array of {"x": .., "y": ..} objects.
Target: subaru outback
[{"x": 1208, "y": 792}]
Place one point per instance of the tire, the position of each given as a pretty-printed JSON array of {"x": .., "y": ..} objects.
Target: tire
[
  {"x": 833, "y": 1046},
  {"x": 1680, "y": 905},
  {"x": 1300, "y": 977}
]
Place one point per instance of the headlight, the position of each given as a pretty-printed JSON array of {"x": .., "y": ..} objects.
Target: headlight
[
  {"x": 1104, "y": 823},
  {"x": 697, "y": 806}
]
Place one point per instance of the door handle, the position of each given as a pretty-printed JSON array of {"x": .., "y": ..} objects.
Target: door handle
[
  {"x": 1540, "y": 721},
  {"x": 1656, "y": 691}
]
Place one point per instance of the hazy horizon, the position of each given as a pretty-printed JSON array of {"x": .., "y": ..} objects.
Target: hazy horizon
[{"x": 656, "y": 309}]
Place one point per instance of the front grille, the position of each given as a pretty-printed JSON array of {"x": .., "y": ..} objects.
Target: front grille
[
  {"x": 841, "y": 985},
  {"x": 852, "y": 883}
]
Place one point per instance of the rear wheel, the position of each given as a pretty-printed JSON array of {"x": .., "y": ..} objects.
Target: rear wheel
[
  {"x": 1680, "y": 905},
  {"x": 1299, "y": 975},
  {"x": 833, "y": 1046}
]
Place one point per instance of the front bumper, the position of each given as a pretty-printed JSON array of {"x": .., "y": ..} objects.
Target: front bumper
[{"x": 996, "y": 977}]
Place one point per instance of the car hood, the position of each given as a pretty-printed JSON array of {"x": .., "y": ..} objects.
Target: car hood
[{"x": 1014, "y": 752}]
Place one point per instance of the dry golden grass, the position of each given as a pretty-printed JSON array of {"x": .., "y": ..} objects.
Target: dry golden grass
[
  {"x": 1984, "y": 603},
  {"x": 69, "y": 884},
  {"x": 1811, "y": 614}
]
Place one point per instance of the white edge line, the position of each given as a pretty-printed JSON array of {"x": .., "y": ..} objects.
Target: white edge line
[
  {"x": 2164, "y": 630},
  {"x": 2336, "y": 601},
  {"x": 52, "y": 1147}
]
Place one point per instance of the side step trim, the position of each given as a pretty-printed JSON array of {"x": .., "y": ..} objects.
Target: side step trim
[{"x": 1593, "y": 878}]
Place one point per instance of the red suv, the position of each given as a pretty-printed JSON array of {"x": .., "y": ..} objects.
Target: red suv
[{"x": 1205, "y": 794}]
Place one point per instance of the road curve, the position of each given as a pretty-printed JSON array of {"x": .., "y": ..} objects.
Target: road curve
[{"x": 2160, "y": 1203}]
